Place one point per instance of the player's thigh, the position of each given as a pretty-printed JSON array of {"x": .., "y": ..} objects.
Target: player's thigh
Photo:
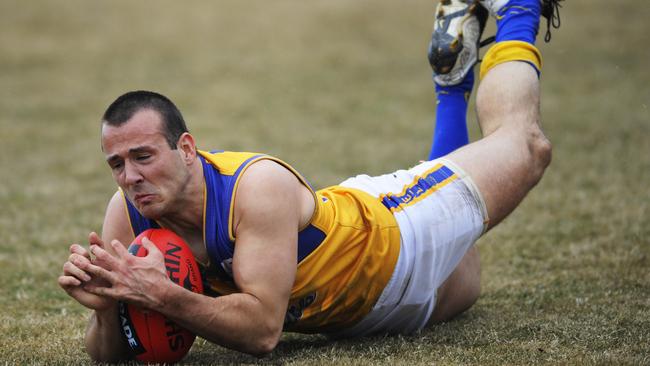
[{"x": 499, "y": 167}]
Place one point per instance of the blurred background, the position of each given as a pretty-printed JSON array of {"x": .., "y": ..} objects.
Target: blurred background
[{"x": 335, "y": 88}]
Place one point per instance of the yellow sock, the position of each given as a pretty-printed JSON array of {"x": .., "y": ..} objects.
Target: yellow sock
[{"x": 511, "y": 51}]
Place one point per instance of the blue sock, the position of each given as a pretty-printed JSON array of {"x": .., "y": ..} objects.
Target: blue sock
[
  {"x": 451, "y": 117},
  {"x": 518, "y": 21}
]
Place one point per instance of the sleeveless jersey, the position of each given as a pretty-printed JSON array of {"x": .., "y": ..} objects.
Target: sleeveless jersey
[{"x": 346, "y": 253}]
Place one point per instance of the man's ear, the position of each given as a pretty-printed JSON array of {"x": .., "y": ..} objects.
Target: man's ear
[{"x": 187, "y": 147}]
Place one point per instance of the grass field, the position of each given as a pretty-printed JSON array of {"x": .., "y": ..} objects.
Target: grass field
[{"x": 336, "y": 88}]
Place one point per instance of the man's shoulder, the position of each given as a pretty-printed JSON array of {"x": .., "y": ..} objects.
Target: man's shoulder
[
  {"x": 229, "y": 162},
  {"x": 265, "y": 172}
]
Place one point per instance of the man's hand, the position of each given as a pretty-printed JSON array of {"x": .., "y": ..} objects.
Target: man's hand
[
  {"x": 76, "y": 279},
  {"x": 142, "y": 281}
]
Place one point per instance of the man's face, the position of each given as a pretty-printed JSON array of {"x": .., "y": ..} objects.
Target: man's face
[{"x": 151, "y": 174}]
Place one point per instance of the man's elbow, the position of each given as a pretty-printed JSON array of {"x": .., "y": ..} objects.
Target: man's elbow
[
  {"x": 101, "y": 356},
  {"x": 264, "y": 348},
  {"x": 104, "y": 350},
  {"x": 266, "y": 341}
]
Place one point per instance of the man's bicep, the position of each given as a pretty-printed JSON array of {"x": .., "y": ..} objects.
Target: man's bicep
[
  {"x": 265, "y": 267},
  {"x": 265, "y": 264},
  {"x": 116, "y": 223}
]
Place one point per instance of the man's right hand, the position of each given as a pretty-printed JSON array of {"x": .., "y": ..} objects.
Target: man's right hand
[{"x": 75, "y": 278}]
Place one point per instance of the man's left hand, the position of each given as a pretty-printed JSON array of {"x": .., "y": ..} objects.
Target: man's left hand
[{"x": 141, "y": 281}]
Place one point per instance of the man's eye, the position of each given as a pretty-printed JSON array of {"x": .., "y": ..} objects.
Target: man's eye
[
  {"x": 143, "y": 157},
  {"x": 116, "y": 166}
]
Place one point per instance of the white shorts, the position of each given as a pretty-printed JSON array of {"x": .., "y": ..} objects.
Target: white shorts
[{"x": 440, "y": 214}]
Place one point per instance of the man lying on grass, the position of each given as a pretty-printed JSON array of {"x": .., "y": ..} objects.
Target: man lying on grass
[{"x": 386, "y": 254}]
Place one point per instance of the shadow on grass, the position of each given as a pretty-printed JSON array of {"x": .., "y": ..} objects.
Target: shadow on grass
[{"x": 319, "y": 349}]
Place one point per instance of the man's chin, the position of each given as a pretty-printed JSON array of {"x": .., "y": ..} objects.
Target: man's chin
[{"x": 150, "y": 212}]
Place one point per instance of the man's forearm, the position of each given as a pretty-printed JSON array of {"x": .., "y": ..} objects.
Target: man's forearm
[
  {"x": 236, "y": 321},
  {"x": 104, "y": 341}
]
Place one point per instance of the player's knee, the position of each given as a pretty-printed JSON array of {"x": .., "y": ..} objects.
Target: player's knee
[{"x": 540, "y": 150}]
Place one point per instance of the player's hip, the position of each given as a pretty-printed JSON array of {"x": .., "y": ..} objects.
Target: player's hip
[{"x": 440, "y": 215}]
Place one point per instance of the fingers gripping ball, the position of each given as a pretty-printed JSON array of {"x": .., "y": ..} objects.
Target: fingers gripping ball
[{"x": 151, "y": 336}]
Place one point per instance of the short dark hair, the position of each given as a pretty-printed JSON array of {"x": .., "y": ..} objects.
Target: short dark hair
[{"x": 126, "y": 105}]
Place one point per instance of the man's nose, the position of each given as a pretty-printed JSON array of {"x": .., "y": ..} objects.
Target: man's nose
[{"x": 132, "y": 174}]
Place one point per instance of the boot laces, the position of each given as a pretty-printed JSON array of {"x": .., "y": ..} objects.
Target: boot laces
[{"x": 551, "y": 10}]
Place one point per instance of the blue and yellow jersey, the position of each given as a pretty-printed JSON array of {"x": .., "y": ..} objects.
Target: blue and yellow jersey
[{"x": 346, "y": 253}]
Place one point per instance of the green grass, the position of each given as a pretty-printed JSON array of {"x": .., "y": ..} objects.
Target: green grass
[{"x": 336, "y": 88}]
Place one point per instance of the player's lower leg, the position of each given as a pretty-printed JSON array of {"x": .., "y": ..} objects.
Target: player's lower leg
[
  {"x": 453, "y": 52},
  {"x": 451, "y": 117}
]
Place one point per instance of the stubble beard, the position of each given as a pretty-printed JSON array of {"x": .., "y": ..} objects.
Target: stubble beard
[{"x": 179, "y": 200}]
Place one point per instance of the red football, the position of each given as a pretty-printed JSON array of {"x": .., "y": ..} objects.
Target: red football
[{"x": 152, "y": 337}]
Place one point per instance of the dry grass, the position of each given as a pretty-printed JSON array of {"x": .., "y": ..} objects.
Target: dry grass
[{"x": 336, "y": 88}]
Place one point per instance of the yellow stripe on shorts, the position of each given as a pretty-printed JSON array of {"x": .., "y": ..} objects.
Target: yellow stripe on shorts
[{"x": 420, "y": 188}]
